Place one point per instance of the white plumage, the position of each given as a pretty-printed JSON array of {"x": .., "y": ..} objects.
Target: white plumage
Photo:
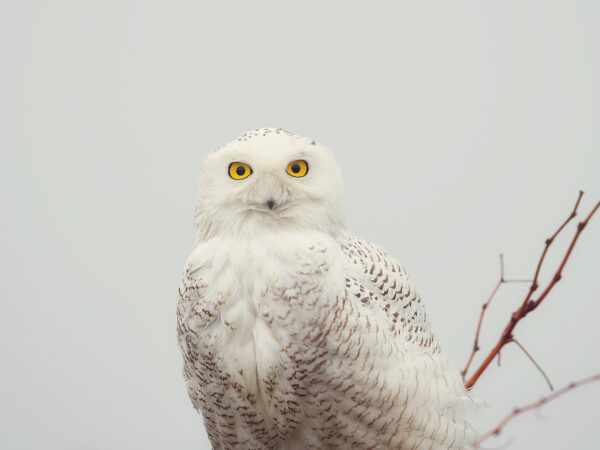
[{"x": 295, "y": 334}]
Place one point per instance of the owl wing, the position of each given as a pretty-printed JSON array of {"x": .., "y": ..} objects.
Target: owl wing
[
  {"x": 195, "y": 311},
  {"x": 389, "y": 380},
  {"x": 377, "y": 280},
  {"x": 367, "y": 370}
]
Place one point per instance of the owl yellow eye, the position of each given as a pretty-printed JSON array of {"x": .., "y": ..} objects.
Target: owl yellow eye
[
  {"x": 297, "y": 168},
  {"x": 239, "y": 171}
]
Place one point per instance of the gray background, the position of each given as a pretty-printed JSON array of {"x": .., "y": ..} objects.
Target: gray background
[{"x": 463, "y": 129}]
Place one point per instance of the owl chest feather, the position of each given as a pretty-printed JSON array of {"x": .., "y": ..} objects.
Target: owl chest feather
[
  {"x": 248, "y": 345},
  {"x": 253, "y": 280}
]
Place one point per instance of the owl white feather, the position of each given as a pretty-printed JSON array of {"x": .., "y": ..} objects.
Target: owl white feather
[{"x": 296, "y": 334}]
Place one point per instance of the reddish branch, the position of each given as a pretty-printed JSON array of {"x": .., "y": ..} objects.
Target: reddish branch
[
  {"x": 483, "y": 310},
  {"x": 528, "y": 304},
  {"x": 535, "y": 405}
]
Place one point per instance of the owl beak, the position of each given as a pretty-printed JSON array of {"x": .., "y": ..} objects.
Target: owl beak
[{"x": 271, "y": 191}]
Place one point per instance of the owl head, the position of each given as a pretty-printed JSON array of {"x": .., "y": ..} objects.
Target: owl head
[{"x": 268, "y": 180}]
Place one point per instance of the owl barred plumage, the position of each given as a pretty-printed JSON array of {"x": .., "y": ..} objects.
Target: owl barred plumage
[{"x": 295, "y": 334}]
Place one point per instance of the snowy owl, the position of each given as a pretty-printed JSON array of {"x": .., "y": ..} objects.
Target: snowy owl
[{"x": 294, "y": 333}]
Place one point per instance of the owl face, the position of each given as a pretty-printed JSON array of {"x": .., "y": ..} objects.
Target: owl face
[{"x": 270, "y": 179}]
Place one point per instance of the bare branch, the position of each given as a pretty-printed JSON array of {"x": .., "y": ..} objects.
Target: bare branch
[
  {"x": 557, "y": 276},
  {"x": 549, "y": 241},
  {"x": 529, "y": 305},
  {"x": 534, "y": 405},
  {"x": 483, "y": 310}
]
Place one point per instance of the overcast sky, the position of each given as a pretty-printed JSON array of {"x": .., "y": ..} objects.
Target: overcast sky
[{"x": 463, "y": 129}]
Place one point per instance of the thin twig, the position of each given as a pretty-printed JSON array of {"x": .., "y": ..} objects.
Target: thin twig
[
  {"x": 483, "y": 310},
  {"x": 529, "y": 305},
  {"x": 535, "y": 405},
  {"x": 534, "y": 363},
  {"x": 476, "y": 344}
]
